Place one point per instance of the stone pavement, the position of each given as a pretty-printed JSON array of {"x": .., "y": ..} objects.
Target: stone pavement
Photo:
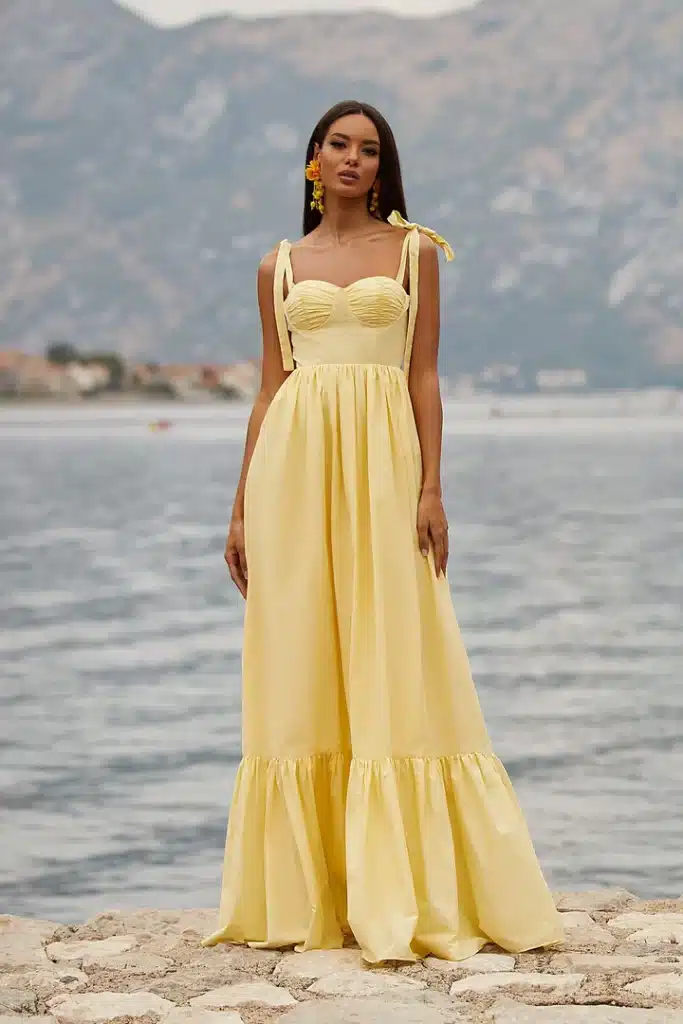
[{"x": 621, "y": 963}]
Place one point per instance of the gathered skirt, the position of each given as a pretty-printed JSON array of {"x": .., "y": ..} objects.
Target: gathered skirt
[{"x": 368, "y": 803}]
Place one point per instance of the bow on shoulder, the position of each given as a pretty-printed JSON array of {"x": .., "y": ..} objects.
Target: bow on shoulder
[{"x": 399, "y": 221}]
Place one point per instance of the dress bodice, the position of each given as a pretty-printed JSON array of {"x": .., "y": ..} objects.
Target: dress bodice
[
  {"x": 365, "y": 322},
  {"x": 371, "y": 320}
]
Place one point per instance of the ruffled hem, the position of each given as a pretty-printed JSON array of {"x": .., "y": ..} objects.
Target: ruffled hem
[{"x": 412, "y": 856}]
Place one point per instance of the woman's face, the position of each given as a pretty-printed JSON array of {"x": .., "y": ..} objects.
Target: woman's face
[{"x": 349, "y": 156}]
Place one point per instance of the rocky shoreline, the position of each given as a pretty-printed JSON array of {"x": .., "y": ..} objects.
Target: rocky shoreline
[{"x": 621, "y": 963}]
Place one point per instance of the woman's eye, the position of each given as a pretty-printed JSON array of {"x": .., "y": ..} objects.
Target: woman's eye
[
  {"x": 337, "y": 143},
  {"x": 371, "y": 152}
]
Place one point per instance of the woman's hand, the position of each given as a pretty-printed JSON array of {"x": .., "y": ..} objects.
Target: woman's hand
[
  {"x": 432, "y": 527},
  {"x": 236, "y": 557}
]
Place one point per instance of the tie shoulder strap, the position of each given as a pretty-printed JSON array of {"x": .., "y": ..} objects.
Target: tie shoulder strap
[
  {"x": 399, "y": 221},
  {"x": 411, "y": 247},
  {"x": 414, "y": 287},
  {"x": 283, "y": 272},
  {"x": 400, "y": 277}
]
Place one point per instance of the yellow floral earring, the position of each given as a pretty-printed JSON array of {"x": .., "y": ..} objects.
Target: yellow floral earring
[
  {"x": 374, "y": 199},
  {"x": 313, "y": 174}
]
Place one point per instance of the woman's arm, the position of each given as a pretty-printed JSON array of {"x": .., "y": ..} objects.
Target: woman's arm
[
  {"x": 425, "y": 394},
  {"x": 272, "y": 376}
]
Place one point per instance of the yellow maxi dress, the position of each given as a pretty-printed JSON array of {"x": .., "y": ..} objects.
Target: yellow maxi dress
[{"x": 368, "y": 802}]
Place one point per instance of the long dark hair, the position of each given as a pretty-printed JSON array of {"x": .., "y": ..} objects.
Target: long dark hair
[{"x": 391, "y": 195}]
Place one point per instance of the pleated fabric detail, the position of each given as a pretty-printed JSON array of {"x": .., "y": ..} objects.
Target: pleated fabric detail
[
  {"x": 310, "y": 304},
  {"x": 412, "y": 856},
  {"x": 377, "y": 302},
  {"x": 372, "y": 302}
]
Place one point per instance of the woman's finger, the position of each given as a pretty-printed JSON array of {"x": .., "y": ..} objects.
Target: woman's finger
[
  {"x": 438, "y": 540},
  {"x": 423, "y": 535},
  {"x": 233, "y": 560},
  {"x": 242, "y": 554}
]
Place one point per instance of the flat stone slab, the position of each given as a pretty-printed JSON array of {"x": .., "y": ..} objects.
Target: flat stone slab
[
  {"x": 664, "y": 929},
  {"x": 94, "y": 950},
  {"x": 559, "y": 984},
  {"x": 149, "y": 920},
  {"x": 661, "y": 936},
  {"x": 132, "y": 962},
  {"x": 511, "y": 1014},
  {"x": 193, "y": 1015},
  {"x": 614, "y": 963},
  {"x": 200, "y": 922},
  {"x": 21, "y": 941},
  {"x": 371, "y": 1011},
  {"x": 659, "y": 986},
  {"x": 599, "y": 899},
  {"x": 100, "y": 1007},
  {"x": 44, "y": 981},
  {"x": 318, "y": 964},
  {"x": 624, "y": 924},
  {"x": 261, "y": 993},
  {"x": 258, "y": 962},
  {"x": 192, "y": 980},
  {"x": 582, "y": 933},
  {"x": 372, "y": 984},
  {"x": 13, "y": 1019},
  {"x": 17, "y": 1000},
  {"x": 480, "y": 963}
]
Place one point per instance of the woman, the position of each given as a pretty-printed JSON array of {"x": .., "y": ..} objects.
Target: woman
[{"x": 368, "y": 802}]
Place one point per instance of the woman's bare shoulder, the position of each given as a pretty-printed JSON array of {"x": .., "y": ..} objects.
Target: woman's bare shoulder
[
  {"x": 427, "y": 245},
  {"x": 266, "y": 267}
]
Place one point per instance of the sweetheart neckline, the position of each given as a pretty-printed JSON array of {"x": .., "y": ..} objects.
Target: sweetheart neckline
[{"x": 345, "y": 287}]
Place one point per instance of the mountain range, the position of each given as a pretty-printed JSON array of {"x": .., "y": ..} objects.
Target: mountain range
[{"x": 145, "y": 171}]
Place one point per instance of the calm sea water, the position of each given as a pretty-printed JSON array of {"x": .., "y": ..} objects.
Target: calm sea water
[{"x": 120, "y": 680}]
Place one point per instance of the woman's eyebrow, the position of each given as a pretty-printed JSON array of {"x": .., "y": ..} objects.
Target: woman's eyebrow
[{"x": 366, "y": 142}]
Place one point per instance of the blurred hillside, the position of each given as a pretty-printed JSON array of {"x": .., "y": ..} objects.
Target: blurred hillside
[{"x": 144, "y": 172}]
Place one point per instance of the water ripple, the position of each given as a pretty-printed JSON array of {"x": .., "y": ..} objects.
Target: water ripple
[{"x": 121, "y": 640}]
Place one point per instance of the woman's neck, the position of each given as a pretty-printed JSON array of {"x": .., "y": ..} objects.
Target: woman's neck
[{"x": 344, "y": 220}]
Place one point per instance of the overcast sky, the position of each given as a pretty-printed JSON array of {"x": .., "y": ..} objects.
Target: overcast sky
[{"x": 177, "y": 12}]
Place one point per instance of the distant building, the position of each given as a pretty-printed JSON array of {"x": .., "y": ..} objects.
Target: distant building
[
  {"x": 498, "y": 372},
  {"x": 464, "y": 385},
  {"x": 88, "y": 377},
  {"x": 241, "y": 379},
  {"x": 500, "y": 377},
  {"x": 28, "y": 376},
  {"x": 182, "y": 379},
  {"x": 560, "y": 380},
  {"x": 9, "y": 373}
]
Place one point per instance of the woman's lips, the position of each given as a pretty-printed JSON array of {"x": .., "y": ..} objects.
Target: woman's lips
[{"x": 349, "y": 176}]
